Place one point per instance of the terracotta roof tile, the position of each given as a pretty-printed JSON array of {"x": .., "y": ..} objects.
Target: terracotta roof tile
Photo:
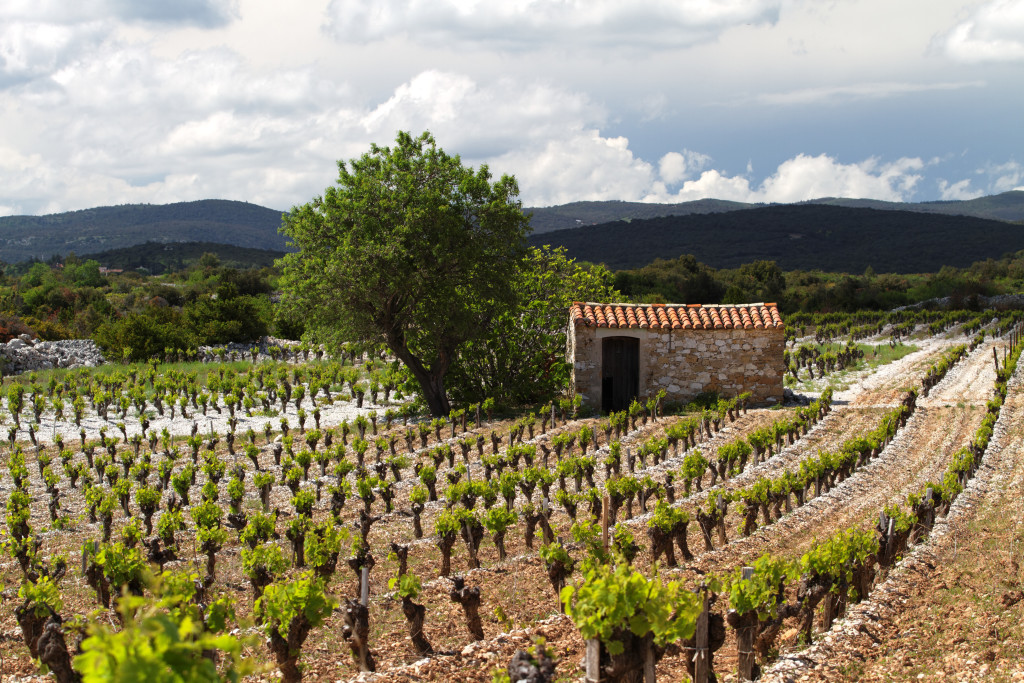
[{"x": 676, "y": 316}]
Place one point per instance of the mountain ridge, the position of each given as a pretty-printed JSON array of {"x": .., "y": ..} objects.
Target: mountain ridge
[
  {"x": 1006, "y": 206},
  {"x": 797, "y": 237},
  {"x": 242, "y": 224},
  {"x": 114, "y": 227}
]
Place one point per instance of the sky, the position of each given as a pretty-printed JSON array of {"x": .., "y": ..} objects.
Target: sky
[{"x": 106, "y": 102}]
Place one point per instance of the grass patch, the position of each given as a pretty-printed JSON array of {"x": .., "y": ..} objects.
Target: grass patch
[{"x": 875, "y": 356}]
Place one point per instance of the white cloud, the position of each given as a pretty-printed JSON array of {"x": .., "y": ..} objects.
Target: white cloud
[
  {"x": 32, "y": 49},
  {"x": 994, "y": 179},
  {"x": 994, "y": 32},
  {"x": 203, "y": 13},
  {"x": 802, "y": 178},
  {"x": 677, "y": 166},
  {"x": 1004, "y": 177},
  {"x": 841, "y": 94},
  {"x": 805, "y": 177},
  {"x": 578, "y": 167},
  {"x": 959, "y": 190},
  {"x": 523, "y": 24},
  {"x": 125, "y": 126}
]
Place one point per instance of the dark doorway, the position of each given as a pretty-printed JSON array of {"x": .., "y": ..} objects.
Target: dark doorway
[{"x": 620, "y": 372}]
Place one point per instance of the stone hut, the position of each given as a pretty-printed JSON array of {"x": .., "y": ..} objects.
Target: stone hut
[{"x": 622, "y": 351}]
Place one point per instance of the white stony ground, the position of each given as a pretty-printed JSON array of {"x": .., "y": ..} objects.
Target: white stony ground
[{"x": 330, "y": 416}]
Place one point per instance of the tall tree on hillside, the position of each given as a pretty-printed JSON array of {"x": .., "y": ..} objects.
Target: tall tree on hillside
[{"x": 410, "y": 249}]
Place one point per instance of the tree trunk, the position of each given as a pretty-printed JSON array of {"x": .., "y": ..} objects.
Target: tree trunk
[
  {"x": 415, "y": 614},
  {"x": 53, "y": 652},
  {"x": 469, "y": 598},
  {"x": 431, "y": 380},
  {"x": 357, "y": 631}
]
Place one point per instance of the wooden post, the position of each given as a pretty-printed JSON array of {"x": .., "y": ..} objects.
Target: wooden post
[
  {"x": 828, "y": 611},
  {"x": 700, "y": 655},
  {"x": 552, "y": 414},
  {"x": 995, "y": 357},
  {"x": 745, "y": 641},
  {"x": 364, "y": 586},
  {"x": 604, "y": 522},
  {"x": 890, "y": 532},
  {"x": 593, "y": 661},
  {"x": 650, "y": 674}
]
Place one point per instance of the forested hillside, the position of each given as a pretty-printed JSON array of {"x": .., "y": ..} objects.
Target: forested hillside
[
  {"x": 112, "y": 227},
  {"x": 797, "y": 237},
  {"x": 1008, "y": 206}
]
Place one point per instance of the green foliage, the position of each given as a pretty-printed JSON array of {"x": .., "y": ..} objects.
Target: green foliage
[
  {"x": 837, "y": 556},
  {"x": 258, "y": 530},
  {"x": 324, "y": 540},
  {"x": 555, "y": 552},
  {"x": 42, "y": 596},
  {"x": 169, "y": 523},
  {"x": 303, "y": 502},
  {"x": 121, "y": 565},
  {"x": 265, "y": 557},
  {"x": 666, "y": 517},
  {"x": 140, "y": 336},
  {"x": 300, "y": 596},
  {"x": 762, "y": 593},
  {"x": 418, "y": 494},
  {"x": 402, "y": 253},
  {"x": 498, "y": 519},
  {"x": 522, "y": 358},
  {"x": 162, "y": 640},
  {"x": 446, "y": 524},
  {"x": 611, "y": 599},
  {"x": 903, "y": 519},
  {"x": 588, "y": 534},
  {"x": 207, "y": 514},
  {"x": 407, "y": 585}
]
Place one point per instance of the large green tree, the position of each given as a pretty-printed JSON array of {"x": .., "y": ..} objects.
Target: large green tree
[
  {"x": 409, "y": 249},
  {"x": 523, "y": 358}
]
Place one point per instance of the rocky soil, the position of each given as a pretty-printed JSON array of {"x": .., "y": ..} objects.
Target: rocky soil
[
  {"x": 25, "y": 354},
  {"x": 952, "y": 611}
]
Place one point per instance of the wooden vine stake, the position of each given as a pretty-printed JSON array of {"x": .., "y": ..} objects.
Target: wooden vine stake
[
  {"x": 592, "y": 661},
  {"x": 364, "y": 586},
  {"x": 745, "y": 641},
  {"x": 649, "y": 670},
  {"x": 604, "y": 522},
  {"x": 701, "y": 661}
]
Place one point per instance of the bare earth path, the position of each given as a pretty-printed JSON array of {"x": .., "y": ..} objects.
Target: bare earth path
[
  {"x": 954, "y": 609},
  {"x": 920, "y": 453}
]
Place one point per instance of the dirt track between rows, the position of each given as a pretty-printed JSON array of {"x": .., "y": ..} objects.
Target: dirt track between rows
[{"x": 954, "y": 609}]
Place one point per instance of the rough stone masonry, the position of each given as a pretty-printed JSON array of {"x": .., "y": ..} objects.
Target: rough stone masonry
[{"x": 683, "y": 349}]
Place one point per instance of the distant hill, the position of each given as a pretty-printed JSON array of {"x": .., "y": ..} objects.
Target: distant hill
[
  {"x": 114, "y": 227},
  {"x": 1008, "y": 206},
  {"x": 255, "y": 227},
  {"x": 579, "y": 214},
  {"x": 806, "y": 237},
  {"x": 161, "y": 257}
]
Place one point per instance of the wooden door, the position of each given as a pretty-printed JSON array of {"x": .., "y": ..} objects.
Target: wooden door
[{"x": 620, "y": 372}]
